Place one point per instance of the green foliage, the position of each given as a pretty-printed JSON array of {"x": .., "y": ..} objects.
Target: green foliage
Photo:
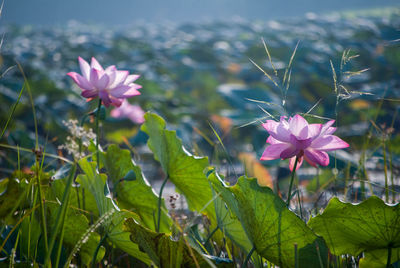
[
  {"x": 134, "y": 195},
  {"x": 95, "y": 184},
  {"x": 75, "y": 226},
  {"x": 228, "y": 222},
  {"x": 366, "y": 227},
  {"x": 118, "y": 208},
  {"x": 120, "y": 134},
  {"x": 322, "y": 180},
  {"x": 163, "y": 251},
  {"x": 121, "y": 238},
  {"x": 183, "y": 170},
  {"x": 77, "y": 198},
  {"x": 378, "y": 258},
  {"x": 18, "y": 186},
  {"x": 10, "y": 189},
  {"x": 29, "y": 236},
  {"x": 272, "y": 228}
]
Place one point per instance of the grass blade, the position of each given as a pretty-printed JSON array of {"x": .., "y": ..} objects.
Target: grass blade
[
  {"x": 1, "y": 7},
  {"x": 266, "y": 74},
  {"x": 224, "y": 148},
  {"x": 12, "y": 112},
  {"x": 269, "y": 57},
  {"x": 30, "y": 151},
  {"x": 290, "y": 63},
  {"x": 61, "y": 214},
  {"x": 334, "y": 78},
  {"x": 32, "y": 104}
]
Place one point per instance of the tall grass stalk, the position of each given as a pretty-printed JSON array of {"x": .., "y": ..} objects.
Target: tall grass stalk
[
  {"x": 1, "y": 9},
  {"x": 14, "y": 251},
  {"x": 346, "y": 180},
  {"x": 385, "y": 169},
  {"x": 341, "y": 93},
  {"x": 2, "y": 145},
  {"x": 41, "y": 202},
  {"x": 60, "y": 218},
  {"x": 32, "y": 104},
  {"x": 61, "y": 239},
  {"x": 299, "y": 200},
  {"x": 97, "y": 134},
  {"x": 224, "y": 148},
  {"x": 389, "y": 146},
  {"x": 12, "y": 112},
  {"x": 391, "y": 173},
  {"x": 284, "y": 84},
  {"x": 319, "y": 255}
]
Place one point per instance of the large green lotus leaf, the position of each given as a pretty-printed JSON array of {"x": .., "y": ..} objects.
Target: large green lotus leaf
[
  {"x": 378, "y": 258},
  {"x": 227, "y": 220},
  {"x": 15, "y": 189},
  {"x": 353, "y": 229},
  {"x": 136, "y": 194},
  {"x": 183, "y": 169},
  {"x": 271, "y": 226},
  {"x": 12, "y": 189},
  {"x": 230, "y": 225},
  {"x": 121, "y": 238},
  {"x": 75, "y": 226},
  {"x": 163, "y": 251},
  {"x": 95, "y": 183},
  {"x": 57, "y": 190}
]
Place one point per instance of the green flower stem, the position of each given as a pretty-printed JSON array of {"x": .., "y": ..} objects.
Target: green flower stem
[
  {"x": 291, "y": 182},
  {"x": 159, "y": 204},
  {"x": 244, "y": 265},
  {"x": 389, "y": 259},
  {"x": 97, "y": 134}
]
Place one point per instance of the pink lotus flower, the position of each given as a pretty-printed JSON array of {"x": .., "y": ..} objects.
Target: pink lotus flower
[
  {"x": 126, "y": 110},
  {"x": 296, "y": 138},
  {"x": 112, "y": 86}
]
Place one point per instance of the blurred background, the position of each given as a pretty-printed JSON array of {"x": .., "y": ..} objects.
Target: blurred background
[
  {"x": 194, "y": 61},
  {"x": 122, "y": 12}
]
